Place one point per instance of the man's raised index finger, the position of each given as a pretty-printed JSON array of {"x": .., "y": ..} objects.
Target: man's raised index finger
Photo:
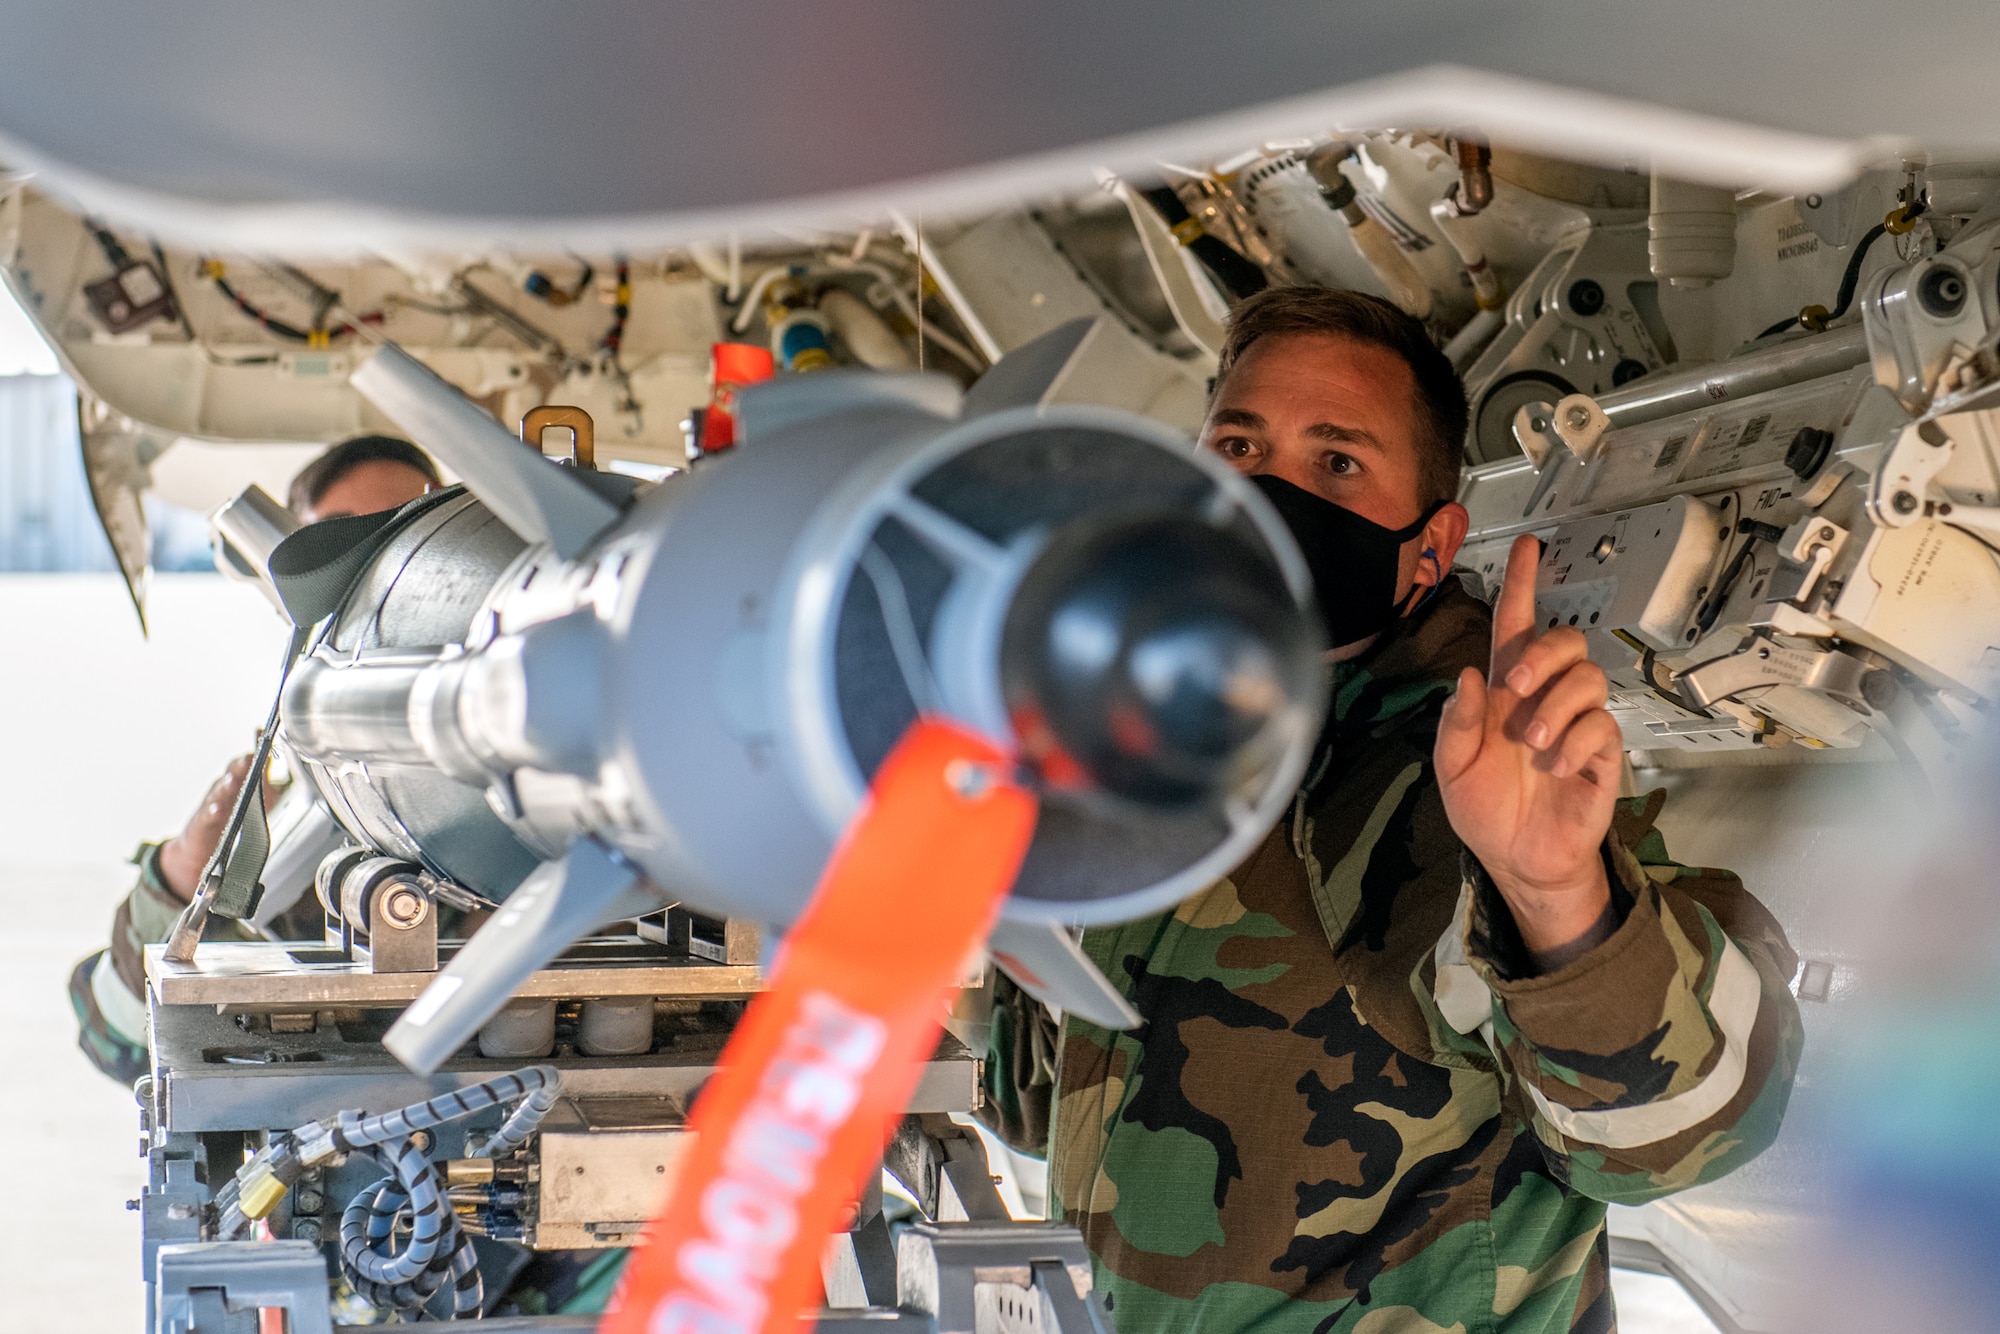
[{"x": 1514, "y": 613}]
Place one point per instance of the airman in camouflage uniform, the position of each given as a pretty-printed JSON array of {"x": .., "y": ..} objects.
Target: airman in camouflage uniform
[
  {"x": 107, "y": 990},
  {"x": 1359, "y": 1099},
  {"x": 359, "y": 476},
  {"x": 363, "y": 475}
]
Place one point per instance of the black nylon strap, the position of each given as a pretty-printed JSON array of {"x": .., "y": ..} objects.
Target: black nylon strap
[
  {"x": 314, "y": 569},
  {"x": 245, "y": 844}
]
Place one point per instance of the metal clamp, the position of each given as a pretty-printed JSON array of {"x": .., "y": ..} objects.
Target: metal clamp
[
  {"x": 1535, "y": 432},
  {"x": 1903, "y": 493},
  {"x": 1764, "y": 661},
  {"x": 582, "y": 431},
  {"x": 1897, "y": 497},
  {"x": 943, "y": 1166},
  {"x": 1579, "y": 423},
  {"x": 385, "y": 907},
  {"x": 1808, "y": 548}
]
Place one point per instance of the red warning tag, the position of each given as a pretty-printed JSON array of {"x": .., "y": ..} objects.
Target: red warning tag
[{"x": 823, "y": 1064}]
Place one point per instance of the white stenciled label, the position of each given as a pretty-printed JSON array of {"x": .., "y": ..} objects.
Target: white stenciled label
[
  {"x": 425, "y": 1007},
  {"x": 749, "y": 1214}
]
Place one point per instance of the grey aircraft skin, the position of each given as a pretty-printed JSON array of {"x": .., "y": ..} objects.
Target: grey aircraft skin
[
  {"x": 572, "y": 205},
  {"x": 628, "y": 124}
]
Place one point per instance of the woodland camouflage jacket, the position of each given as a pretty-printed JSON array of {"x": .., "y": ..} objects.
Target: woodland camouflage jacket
[{"x": 1351, "y": 1104}]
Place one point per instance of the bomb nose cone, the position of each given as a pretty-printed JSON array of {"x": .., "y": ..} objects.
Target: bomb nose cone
[{"x": 1159, "y": 660}]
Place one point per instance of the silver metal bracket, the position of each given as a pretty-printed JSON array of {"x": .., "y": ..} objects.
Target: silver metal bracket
[
  {"x": 1808, "y": 549},
  {"x": 1579, "y": 423},
  {"x": 1901, "y": 490},
  {"x": 1766, "y": 661},
  {"x": 1904, "y": 491}
]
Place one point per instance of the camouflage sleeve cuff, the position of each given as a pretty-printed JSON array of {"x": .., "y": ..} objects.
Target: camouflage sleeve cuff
[
  {"x": 144, "y": 917},
  {"x": 155, "y": 908},
  {"x": 107, "y": 1033},
  {"x": 1494, "y": 939},
  {"x": 1639, "y": 1039}
]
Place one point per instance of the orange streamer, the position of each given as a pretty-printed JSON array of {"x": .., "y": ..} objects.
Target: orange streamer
[{"x": 824, "y": 1062}]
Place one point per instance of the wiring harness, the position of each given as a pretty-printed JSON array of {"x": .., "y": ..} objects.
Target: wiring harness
[
  {"x": 318, "y": 335},
  {"x": 611, "y": 347},
  {"x": 1814, "y": 319},
  {"x": 411, "y": 1193}
]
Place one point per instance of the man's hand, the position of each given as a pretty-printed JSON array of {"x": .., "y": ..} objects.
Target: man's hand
[
  {"x": 184, "y": 856},
  {"x": 1528, "y": 765}
]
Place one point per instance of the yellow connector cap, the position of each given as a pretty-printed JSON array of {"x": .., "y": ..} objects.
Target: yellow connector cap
[{"x": 261, "y": 1193}]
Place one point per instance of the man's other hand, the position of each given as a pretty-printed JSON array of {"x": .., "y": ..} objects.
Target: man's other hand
[
  {"x": 1528, "y": 761},
  {"x": 185, "y": 856}
]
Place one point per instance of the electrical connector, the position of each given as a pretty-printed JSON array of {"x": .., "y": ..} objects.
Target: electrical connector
[
  {"x": 262, "y": 1182},
  {"x": 261, "y": 1191},
  {"x": 318, "y": 1142}
]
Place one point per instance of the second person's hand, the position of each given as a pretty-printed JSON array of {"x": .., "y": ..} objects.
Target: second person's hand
[{"x": 185, "y": 856}]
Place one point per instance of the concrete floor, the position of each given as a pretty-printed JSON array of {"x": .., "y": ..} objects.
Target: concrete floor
[{"x": 107, "y": 739}]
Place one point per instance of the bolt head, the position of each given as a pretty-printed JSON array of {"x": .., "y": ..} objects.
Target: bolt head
[
  {"x": 403, "y": 906},
  {"x": 1903, "y": 503},
  {"x": 1879, "y": 688},
  {"x": 1586, "y": 297}
]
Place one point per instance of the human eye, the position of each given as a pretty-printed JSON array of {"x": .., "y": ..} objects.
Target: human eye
[
  {"x": 1339, "y": 464},
  {"x": 1237, "y": 449}
]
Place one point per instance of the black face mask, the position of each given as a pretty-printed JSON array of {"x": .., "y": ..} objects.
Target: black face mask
[{"x": 1353, "y": 560}]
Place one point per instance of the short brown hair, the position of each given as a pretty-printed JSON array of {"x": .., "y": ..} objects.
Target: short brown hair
[
  {"x": 1440, "y": 394},
  {"x": 317, "y": 478}
]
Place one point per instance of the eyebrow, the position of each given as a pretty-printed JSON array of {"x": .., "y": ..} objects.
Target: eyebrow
[
  {"x": 1342, "y": 435},
  {"x": 1327, "y": 431}
]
